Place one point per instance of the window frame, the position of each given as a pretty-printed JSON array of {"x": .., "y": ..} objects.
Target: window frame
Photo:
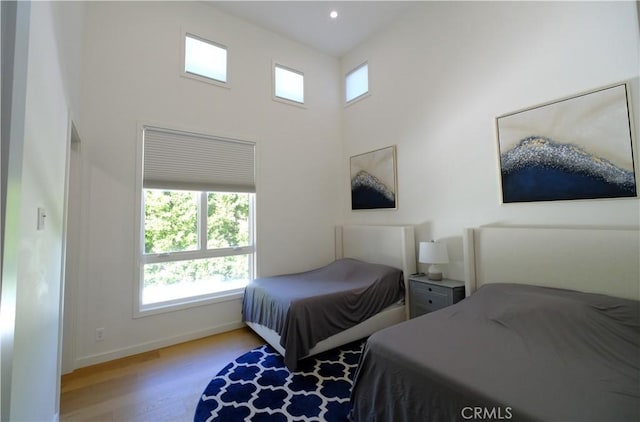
[
  {"x": 196, "y": 76},
  {"x": 203, "y": 252},
  {"x": 141, "y": 258},
  {"x": 363, "y": 95},
  {"x": 285, "y": 100}
]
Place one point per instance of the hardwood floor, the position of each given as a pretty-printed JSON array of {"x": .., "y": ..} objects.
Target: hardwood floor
[{"x": 162, "y": 385}]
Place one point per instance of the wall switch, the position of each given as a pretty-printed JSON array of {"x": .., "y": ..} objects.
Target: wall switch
[
  {"x": 42, "y": 216},
  {"x": 99, "y": 334}
]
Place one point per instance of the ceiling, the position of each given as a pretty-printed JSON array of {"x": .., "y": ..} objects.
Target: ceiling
[{"x": 308, "y": 22}]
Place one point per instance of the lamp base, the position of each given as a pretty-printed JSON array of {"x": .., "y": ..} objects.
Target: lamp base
[
  {"x": 434, "y": 273},
  {"x": 434, "y": 276}
]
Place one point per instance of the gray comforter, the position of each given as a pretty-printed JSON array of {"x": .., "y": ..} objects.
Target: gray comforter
[
  {"x": 308, "y": 307},
  {"x": 508, "y": 352}
]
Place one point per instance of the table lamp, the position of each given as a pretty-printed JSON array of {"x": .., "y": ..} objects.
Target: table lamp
[{"x": 433, "y": 253}]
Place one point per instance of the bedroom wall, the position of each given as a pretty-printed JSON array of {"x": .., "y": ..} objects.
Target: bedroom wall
[
  {"x": 32, "y": 272},
  {"x": 131, "y": 75},
  {"x": 440, "y": 75}
]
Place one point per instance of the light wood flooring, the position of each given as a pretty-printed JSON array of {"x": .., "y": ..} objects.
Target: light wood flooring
[{"x": 163, "y": 385}]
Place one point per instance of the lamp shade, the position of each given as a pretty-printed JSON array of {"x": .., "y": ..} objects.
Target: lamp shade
[{"x": 433, "y": 253}]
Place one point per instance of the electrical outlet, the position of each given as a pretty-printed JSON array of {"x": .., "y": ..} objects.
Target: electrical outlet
[{"x": 99, "y": 334}]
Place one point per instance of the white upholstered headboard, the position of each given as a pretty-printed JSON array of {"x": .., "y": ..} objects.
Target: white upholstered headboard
[
  {"x": 595, "y": 260},
  {"x": 389, "y": 245}
]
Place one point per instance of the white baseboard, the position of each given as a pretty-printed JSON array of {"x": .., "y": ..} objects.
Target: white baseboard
[{"x": 153, "y": 345}]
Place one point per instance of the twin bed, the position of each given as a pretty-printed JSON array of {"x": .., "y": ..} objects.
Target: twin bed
[
  {"x": 550, "y": 329},
  {"x": 301, "y": 315},
  {"x": 550, "y": 332}
]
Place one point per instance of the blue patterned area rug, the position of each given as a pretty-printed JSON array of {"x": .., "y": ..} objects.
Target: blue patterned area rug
[{"x": 258, "y": 387}]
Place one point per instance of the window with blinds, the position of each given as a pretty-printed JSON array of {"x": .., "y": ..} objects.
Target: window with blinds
[{"x": 197, "y": 228}]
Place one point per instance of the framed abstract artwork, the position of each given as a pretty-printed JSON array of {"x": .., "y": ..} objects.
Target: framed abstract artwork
[
  {"x": 373, "y": 180},
  {"x": 574, "y": 148}
]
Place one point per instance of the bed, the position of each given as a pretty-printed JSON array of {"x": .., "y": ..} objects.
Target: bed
[
  {"x": 304, "y": 314},
  {"x": 540, "y": 336}
]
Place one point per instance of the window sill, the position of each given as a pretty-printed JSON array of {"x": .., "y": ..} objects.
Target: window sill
[
  {"x": 207, "y": 80},
  {"x": 289, "y": 102},
  {"x": 357, "y": 99},
  {"x": 165, "y": 307}
]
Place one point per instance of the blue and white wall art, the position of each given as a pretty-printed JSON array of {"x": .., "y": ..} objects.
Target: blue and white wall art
[
  {"x": 575, "y": 148},
  {"x": 373, "y": 180}
]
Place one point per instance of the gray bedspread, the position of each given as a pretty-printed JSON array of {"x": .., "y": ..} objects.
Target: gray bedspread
[
  {"x": 508, "y": 352},
  {"x": 308, "y": 307}
]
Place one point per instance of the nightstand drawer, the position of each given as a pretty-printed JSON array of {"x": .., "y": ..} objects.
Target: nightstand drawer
[
  {"x": 427, "y": 296},
  {"x": 428, "y": 289},
  {"x": 430, "y": 300},
  {"x": 418, "y": 309}
]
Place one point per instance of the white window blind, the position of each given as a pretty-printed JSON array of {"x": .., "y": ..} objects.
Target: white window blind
[{"x": 190, "y": 161}]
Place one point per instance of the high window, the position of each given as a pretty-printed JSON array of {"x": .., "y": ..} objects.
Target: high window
[
  {"x": 288, "y": 84},
  {"x": 357, "y": 83},
  {"x": 197, "y": 218},
  {"x": 204, "y": 60}
]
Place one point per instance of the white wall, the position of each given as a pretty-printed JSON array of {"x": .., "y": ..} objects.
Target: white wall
[
  {"x": 40, "y": 184},
  {"x": 131, "y": 75},
  {"x": 68, "y": 20},
  {"x": 440, "y": 75}
]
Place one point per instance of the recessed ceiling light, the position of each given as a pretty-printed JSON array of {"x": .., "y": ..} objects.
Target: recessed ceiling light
[{"x": 333, "y": 14}]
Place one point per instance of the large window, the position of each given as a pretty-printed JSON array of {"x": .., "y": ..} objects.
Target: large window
[
  {"x": 179, "y": 261},
  {"x": 197, "y": 200}
]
